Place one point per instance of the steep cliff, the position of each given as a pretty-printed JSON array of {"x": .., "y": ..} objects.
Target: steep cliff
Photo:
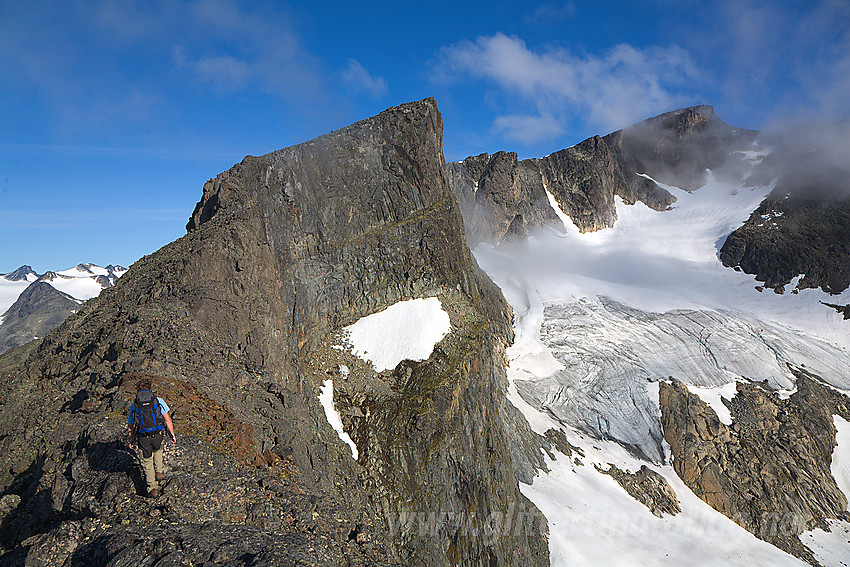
[{"x": 239, "y": 323}]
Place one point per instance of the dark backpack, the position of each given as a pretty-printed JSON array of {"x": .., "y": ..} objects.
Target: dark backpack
[{"x": 147, "y": 413}]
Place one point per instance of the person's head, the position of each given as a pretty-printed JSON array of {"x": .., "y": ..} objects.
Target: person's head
[{"x": 144, "y": 384}]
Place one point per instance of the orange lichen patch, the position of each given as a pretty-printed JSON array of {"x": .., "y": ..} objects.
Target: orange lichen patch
[{"x": 196, "y": 414}]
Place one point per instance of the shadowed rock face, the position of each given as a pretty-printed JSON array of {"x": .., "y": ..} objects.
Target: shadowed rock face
[
  {"x": 803, "y": 226},
  {"x": 785, "y": 238},
  {"x": 677, "y": 147},
  {"x": 674, "y": 148},
  {"x": 242, "y": 316},
  {"x": 770, "y": 470}
]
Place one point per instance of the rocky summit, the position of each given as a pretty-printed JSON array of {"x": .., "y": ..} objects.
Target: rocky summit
[{"x": 239, "y": 324}]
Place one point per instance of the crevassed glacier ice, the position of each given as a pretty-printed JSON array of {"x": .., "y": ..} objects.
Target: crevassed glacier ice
[{"x": 611, "y": 352}]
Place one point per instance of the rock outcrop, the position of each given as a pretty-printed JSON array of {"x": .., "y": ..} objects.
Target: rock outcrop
[
  {"x": 785, "y": 238},
  {"x": 497, "y": 192},
  {"x": 238, "y": 323},
  {"x": 647, "y": 487},
  {"x": 23, "y": 273},
  {"x": 803, "y": 226},
  {"x": 770, "y": 470}
]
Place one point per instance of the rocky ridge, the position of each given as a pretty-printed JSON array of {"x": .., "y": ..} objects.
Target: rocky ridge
[
  {"x": 238, "y": 321},
  {"x": 500, "y": 195}
]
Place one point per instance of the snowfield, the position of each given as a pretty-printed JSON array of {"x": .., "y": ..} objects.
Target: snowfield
[
  {"x": 79, "y": 287},
  {"x": 9, "y": 292},
  {"x": 601, "y": 318}
]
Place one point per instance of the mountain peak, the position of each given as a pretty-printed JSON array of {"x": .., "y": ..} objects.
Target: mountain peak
[
  {"x": 400, "y": 125},
  {"x": 22, "y": 273}
]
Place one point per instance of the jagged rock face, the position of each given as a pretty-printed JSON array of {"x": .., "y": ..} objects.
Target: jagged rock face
[
  {"x": 785, "y": 238},
  {"x": 20, "y": 274},
  {"x": 38, "y": 310},
  {"x": 498, "y": 195},
  {"x": 803, "y": 226},
  {"x": 770, "y": 470},
  {"x": 243, "y": 314},
  {"x": 675, "y": 148}
]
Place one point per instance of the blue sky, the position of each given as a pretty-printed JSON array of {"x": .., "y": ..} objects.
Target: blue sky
[{"x": 113, "y": 113}]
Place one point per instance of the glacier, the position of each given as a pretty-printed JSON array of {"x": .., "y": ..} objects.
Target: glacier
[{"x": 601, "y": 318}]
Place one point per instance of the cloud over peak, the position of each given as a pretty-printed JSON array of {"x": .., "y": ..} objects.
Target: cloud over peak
[{"x": 557, "y": 88}]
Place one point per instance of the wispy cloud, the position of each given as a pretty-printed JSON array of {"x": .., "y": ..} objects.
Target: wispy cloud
[
  {"x": 235, "y": 46},
  {"x": 558, "y": 88},
  {"x": 528, "y": 129},
  {"x": 551, "y": 11},
  {"x": 357, "y": 78}
]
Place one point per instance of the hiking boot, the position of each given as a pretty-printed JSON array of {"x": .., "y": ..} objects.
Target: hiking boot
[
  {"x": 160, "y": 475},
  {"x": 153, "y": 493}
]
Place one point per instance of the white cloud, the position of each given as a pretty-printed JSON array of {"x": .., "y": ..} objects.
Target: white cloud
[
  {"x": 607, "y": 91},
  {"x": 358, "y": 79}
]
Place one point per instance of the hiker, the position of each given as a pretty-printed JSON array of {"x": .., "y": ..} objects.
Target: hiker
[{"x": 146, "y": 420}]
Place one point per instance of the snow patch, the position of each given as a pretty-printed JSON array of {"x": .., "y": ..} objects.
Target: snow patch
[
  {"x": 829, "y": 548},
  {"x": 712, "y": 397},
  {"x": 77, "y": 287},
  {"x": 326, "y": 398},
  {"x": 407, "y": 330},
  {"x": 569, "y": 225}
]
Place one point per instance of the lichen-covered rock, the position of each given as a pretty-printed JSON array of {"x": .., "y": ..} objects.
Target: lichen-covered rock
[{"x": 236, "y": 323}]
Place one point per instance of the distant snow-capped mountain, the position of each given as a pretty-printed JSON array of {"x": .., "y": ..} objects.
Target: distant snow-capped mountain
[{"x": 32, "y": 305}]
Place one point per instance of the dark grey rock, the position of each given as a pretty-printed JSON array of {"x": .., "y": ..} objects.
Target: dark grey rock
[{"x": 20, "y": 274}]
